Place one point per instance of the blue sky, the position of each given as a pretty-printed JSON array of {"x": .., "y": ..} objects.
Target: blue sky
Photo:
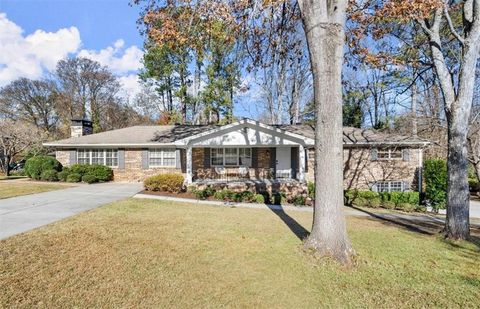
[{"x": 100, "y": 22}]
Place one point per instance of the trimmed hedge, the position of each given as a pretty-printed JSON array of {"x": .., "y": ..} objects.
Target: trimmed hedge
[
  {"x": 435, "y": 175},
  {"x": 89, "y": 178},
  {"x": 95, "y": 173},
  {"x": 35, "y": 166},
  {"x": 164, "y": 182},
  {"x": 405, "y": 201}
]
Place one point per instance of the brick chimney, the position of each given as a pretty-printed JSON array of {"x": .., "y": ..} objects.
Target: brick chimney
[{"x": 80, "y": 127}]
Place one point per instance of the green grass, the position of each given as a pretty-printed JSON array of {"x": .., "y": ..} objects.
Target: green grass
[
  {"x": 12, "y": 189},
  {"x": 143, "y": 253}
]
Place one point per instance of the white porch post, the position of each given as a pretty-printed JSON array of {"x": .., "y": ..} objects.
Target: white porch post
[
  {"x": 301, "y": 163},
  {"x": 189, "y": 165}
]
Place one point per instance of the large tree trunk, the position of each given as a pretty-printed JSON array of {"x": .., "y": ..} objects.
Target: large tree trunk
[
  {"x": 457, "y": 225},
  {"x": 324, "y": 27}
]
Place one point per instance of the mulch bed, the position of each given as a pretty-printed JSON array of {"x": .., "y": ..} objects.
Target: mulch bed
[{"x": 188, "y": 195}]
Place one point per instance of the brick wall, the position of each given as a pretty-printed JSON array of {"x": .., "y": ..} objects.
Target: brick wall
[
  {"x": 63, "y": 156},
  {"x": 133, "y": 171},
  {"x": 360, "y": 171}
]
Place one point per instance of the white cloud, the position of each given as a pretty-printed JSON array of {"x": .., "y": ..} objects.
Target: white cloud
[
  {"x": 131, "y": 85},
  {"x": 30, "y": 56},
  {"x": 119, "y": 59}
]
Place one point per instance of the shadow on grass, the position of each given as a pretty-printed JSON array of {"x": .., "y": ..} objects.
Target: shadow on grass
[
  {"x": 292, "y": 224},
  {"x": 422, "y": 224}
]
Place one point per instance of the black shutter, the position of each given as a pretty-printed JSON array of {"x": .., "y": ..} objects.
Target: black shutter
[
  {"x": 294, "y": 161},
  {"x": 273, "y": 160},
  {"x": 254, "y": 157},
  {"x": 206, "y": 157}
]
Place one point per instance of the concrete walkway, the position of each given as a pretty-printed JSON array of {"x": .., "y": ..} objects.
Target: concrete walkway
[{"x": 23, "y": 213}]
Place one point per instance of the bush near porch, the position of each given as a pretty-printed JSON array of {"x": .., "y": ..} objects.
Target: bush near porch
[{"x": 173, "y": 183}]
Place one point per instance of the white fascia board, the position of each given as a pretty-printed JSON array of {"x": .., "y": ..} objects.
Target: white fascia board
[
  {"x": 152, "y": 145},
  {"x": 187, "y": 140}
]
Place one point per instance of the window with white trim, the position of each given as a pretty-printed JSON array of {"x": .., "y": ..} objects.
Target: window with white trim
[
  {"x": 108, "y": 157},
  {"x": 389, "y": 186},
  {"x": 231, "y": 156},
  {"x": 162, "y": 157},
  {"x": 389, "y": 154}
]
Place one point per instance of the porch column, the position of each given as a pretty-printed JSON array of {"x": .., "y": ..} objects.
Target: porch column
[
  {"x": 189, "y": 166},
  {"x": 301, "y": 163}
]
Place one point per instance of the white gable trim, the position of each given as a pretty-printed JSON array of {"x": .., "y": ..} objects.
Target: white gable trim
[{"x": 256, "y": 125}]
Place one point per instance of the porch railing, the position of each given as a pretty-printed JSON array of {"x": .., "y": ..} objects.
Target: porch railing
[{"x": 240, "y": 173}]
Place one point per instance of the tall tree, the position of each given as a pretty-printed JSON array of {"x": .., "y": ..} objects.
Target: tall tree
[
  {"x": 324, "y": 23},
  {"x": 32, "y": 101},
  {"x": 87, "y": 88}
]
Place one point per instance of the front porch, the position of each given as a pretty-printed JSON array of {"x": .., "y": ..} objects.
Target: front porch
[{"x": 245, "y": 164}]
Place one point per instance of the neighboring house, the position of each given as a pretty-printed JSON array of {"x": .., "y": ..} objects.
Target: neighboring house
[{"x": 245, "y": 153}]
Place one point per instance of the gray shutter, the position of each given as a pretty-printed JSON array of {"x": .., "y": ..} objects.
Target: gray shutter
[
  {"x": 254, "y": 157},
  {"x": 294, "y": 161},
  {"x": 73, "y": 157},
  {"x": 145, "y": 159},
  {"x": 406, "y": 186},
  {"x": 374, "y": 187},
  {"x": 206, "y": 157},
  {"x": 121, "y": 158},
  {"x": 406, "y": 154},
  {"x": 178, "y": 158},
  {"x": 374, "y": 154}
]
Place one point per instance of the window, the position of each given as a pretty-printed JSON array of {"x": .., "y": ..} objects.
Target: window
[
  {"x": 245, "y": 156},
  {"x": 162, "y": 157},
  {"x": 216, "y": 156},
  {"x": 231, "y": 156},
  {"x": 83, "y": 156},
  {"x": 108, "y": 157},
  {"x": 390, "y": 154},
  {"x": 388, "y": 186}
]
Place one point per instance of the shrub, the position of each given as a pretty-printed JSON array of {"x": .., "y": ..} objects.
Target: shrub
[
  {"x": 101, "y": 172},
  {"x": 74, "y": 177},
  {"x": 350, "y": 196},
  {"x": 407, "y": 207},
  {"x": 360, "y": 201},
  {"x": 164, "y": 182},
  {"x": 89, "y": 178},
  {"x": 49, "y": 175},
  {"x": 259, "y": 198},
  {"x": 311, "y": 190},
  {"x": 435, "y": 175},
  {"x": 245, "y": 196},
  {"x": 299, "y": 200},
  {"x": 224, "y": 195},
  {"x": 62, "y": 176},
  {"x": 388, "y": 205},
  {"x": 35, "y": 166},
  {"x": 375, "y": 202},
  {"x": 474, "y": 185},
  {"x": 204, "y": 194}
]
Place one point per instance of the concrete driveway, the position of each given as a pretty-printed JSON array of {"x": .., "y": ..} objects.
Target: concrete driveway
[{"x": 23, "y": 213}]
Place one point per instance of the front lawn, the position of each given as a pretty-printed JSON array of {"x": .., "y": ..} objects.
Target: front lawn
[
  {"x": 145, "y": 253},
  {"x": 17, "y": 188}
]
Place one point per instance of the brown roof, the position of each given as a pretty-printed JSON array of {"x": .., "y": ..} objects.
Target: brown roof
[
  {"x": 356, "y": 136},
  {"x": 168, "y": 134}
]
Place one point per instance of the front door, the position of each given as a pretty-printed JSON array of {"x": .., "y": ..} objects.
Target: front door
[{"x": 283, "y": 163}]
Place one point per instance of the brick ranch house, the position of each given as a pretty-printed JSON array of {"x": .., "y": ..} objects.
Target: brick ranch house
[{"x": 243, "y": 155}]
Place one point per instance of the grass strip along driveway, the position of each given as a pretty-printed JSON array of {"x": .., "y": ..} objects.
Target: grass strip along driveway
[
  {"x": 11, "y": 188},
  {"x": 137, "y": 253}
]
